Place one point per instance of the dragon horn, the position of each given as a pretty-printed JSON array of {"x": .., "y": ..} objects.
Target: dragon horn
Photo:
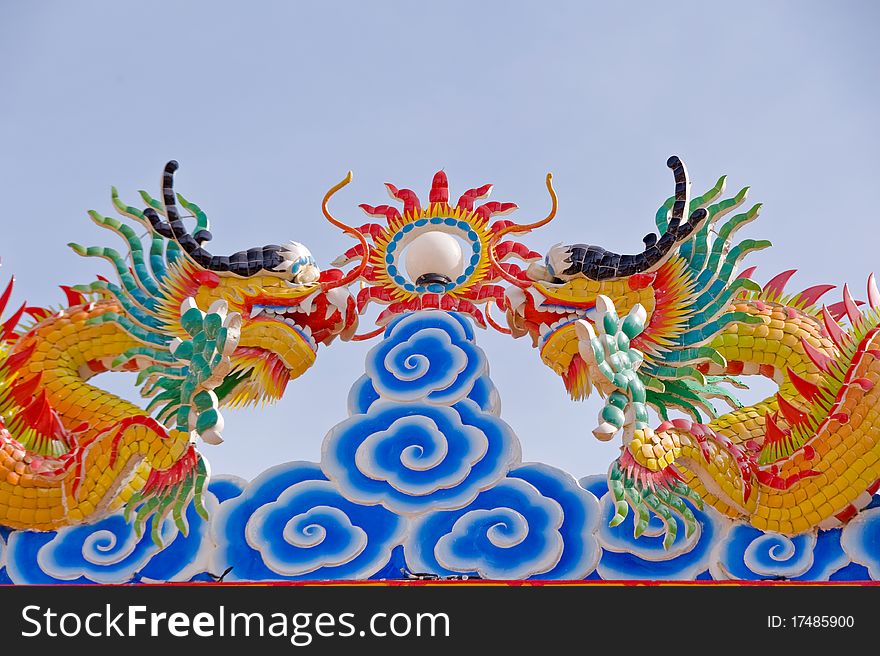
[
  {"x": 656, "y": 250},
  {"x": 355, "y": 273},
  {"x": 243, "y": 263},
  {"x": 598, "y": 264}
]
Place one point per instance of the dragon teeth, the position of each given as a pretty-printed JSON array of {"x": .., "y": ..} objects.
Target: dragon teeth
[
  {"x": 517, "y": 299},
  {"x": 256, "y": 310},
  {"x": 306, "y": 303},
  {"x": 338, "y": 298}
]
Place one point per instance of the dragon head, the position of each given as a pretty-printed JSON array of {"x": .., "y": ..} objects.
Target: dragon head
[
  {"x": 682, "y": 279},
  {"x": 287, "y": 304},
  {"x": 284, "y": 320}
]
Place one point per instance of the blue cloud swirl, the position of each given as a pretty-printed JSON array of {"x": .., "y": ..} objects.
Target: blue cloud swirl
[
  {"x": 226, "y": 486},
  {"x": 426, "y": 356},
  {"x": 508, "y": 532},
  {"x": 537, "y": 523},
  {"x": 860, "y": 538},
  {"x": 748, "y": 553},
  {"x": 415, "y": 457},
  {"x": 626, "y": 557},
  {"x": 484, "y": 393},
  {"x": 581, "y": 550},
  {"x": 109, "y": 551},
  {"x": 291, "y": 523}
]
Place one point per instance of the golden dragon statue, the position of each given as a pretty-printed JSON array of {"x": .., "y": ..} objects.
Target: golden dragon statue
[
  {"x": 667, "y": 328},
  {"x": 70, "y": 452}
]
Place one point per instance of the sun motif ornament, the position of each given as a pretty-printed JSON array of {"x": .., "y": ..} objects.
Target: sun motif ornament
[{"x": 442, "y": 256}]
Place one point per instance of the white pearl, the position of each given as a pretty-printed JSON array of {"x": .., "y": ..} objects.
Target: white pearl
[{"x": 434, "y": 252}]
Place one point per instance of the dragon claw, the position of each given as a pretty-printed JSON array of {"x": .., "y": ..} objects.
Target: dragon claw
[
  {"x": 646, "y": 492},
  {"x": 202, "y": 362}
]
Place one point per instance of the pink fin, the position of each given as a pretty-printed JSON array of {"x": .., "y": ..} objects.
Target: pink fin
[
  {"x": 834, "y": 330},
  {"x": 776, "y": 285},
  {"x": 873, "y": 293},
  {"x": 812, "y": 294},
  {"x": 838, "y": 310},
  {"x": 819, "y": 359},
  {"x": 852, "y": 309}
]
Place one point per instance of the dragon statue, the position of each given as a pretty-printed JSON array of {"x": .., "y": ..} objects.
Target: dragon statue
[
  {"x": 668, "y": 327},
  {"x": 673, "y": 329},
  {"x": 71, "y": 452}
]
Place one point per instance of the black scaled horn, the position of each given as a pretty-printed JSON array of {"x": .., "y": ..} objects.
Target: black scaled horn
[
  {"x": 243, "y": 263},
  {"x": 596, "y": 263}
]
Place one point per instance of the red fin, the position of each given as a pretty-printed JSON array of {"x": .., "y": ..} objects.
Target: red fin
[
  {"x": 38, "y": 313},
  {"x": 13, "y": 362},
  {"x": 73, "y": 296},
  {"x": 490, "y": 209},
  {"x": 775, "y": 434},
  {"x": 207, "y": 278},
  {"x": 23, "y": 391},
  {"x": 466, "y": 202},
  {"x": 4, "y": 298},
  {"x": 804, "y": 387},
  {"x": 10, "y": 324},
  {"x": 793, "y": 415}
]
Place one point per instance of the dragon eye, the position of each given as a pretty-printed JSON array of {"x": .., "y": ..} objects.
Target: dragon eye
[{"x": 434, "y": 257}]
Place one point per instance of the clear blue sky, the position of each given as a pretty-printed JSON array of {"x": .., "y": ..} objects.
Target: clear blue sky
[{"x": 266, "y": 104}]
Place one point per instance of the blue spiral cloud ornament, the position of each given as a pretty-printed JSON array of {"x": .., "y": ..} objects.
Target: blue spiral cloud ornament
[
  {"x": 860, "y": 538},
  {"x": 537, "y": 523},
  {"x": 747, "y": 553},
  {"x": 109, "y": 551},
  {"x": 424, "y": 432},
  {"x": 291, "y": 523},
  {"x": 426, "y": 356}
]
